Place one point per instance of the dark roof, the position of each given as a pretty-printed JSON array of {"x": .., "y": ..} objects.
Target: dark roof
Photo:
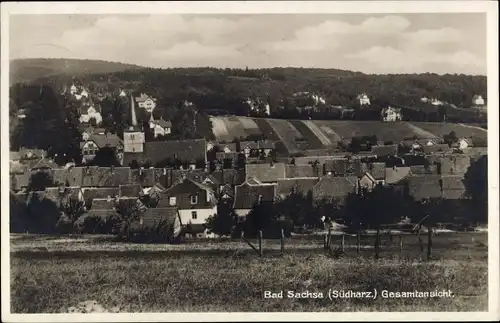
[
  {"x": 335, "y": 187},
  {"x": 155, "y": 216},
  {"x": 377, "y": 170},
  {"x": 336, "y": 166},
  {"x": 422, "y": 170},
  {"x": 303, "y": 184},
  {"x": 45, "y": 163},
  {"x": 222, "y": 155},
  {"x": 101, "y": 192},
  {"x": 266, "y": 172},
  {"x": 104, "y": 140},
  {"x": 157, "y": 151},
  {"x": 424, "y": 186},
  {"x": 430, "y": 149},
  {"x": 60, "y": 176},
  {"x": 456, "y": 164},
  {"x": 396, "y": 174},
  {"x": 245, "y": 196},
  {"x": 183, "y": 190},
  {"x": 130, "y": 190},
  {"x": 298, "y": 171},
  {"x": 17, "y": 168},
  {"x": 227, "y": 176},
  {"x": 75, "y": 176},
  {"x": 19, "y": 181},
  {"x": 103, "y": 214},
  {"x": 261, "y": 144},
  {"x": 103, "y": 204},
  {"x": 453, "y": 187},
  {"x": 144, "y": 176},
  {"x": 389, "y": 150},
  {"x": 94, "y": 176},
  {"x": 163, "y": 123}
]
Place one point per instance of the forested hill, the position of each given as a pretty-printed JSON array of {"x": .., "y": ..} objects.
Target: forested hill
[
  {"x": 27, "y": 70},
  {"x": 225, "y": 88}
]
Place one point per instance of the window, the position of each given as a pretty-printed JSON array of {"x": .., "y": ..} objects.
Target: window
[
  {"x": 85, "y": 152},
  {"x": 173, "y": 201},
  {"x": 132, "y": 137},
  {"x": 194, "y": 215},
  {"x": 194, "y": 199}
]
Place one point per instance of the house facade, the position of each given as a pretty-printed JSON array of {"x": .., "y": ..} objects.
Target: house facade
[
  {"x": 95, "y": 142},
  {"x": 146, "y": 102},
  {"x": 363, "y": 99},
  {"x": 477, "y": 100},
  {"x": 160, "y": 127},
  {"x": 391, "y": 114},
  {"x": 195, "y": 202},
  {"x": 91, "y": 113}
]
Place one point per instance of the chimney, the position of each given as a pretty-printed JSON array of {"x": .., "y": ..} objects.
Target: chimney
[{"x": 259, "y": 200}]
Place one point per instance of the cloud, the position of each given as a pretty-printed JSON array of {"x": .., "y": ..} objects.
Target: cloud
[
  {"x": 392, "y": 60},
  {"x": 371, "y": 43}
]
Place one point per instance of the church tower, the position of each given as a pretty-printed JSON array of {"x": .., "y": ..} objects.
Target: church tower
[{"x": 133, "y": 137}]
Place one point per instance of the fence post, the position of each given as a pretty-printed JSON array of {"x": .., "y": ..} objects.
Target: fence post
[
  {"x": 377, "y": 237},
  {"x": 400, "y": 243},
  {"x": 429, "y": 242},
  {"x": 260, "y": 242},
  {"x": 342, "y": 242},
  {"x": 420, "y": 243},
  {"x": 358, "y": 242},
  {"x": 329, "y": 237},
  {"x": 282, "y": 241}
]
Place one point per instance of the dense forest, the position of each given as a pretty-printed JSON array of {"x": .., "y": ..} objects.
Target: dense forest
[{"x": 49, "y": 109}]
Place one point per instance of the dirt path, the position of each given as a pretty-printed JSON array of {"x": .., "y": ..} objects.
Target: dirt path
[
  {"x": 317, "y": 132},
  {"x": 421, "y": 133}
]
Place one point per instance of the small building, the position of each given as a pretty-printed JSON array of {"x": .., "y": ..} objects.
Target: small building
[
  {"x": 146, "y": 102},
  {"x": 196, "y": 202},
  {"x": 363, "y": 99},
  {"x": 477, "y": 100},
  {"x": 95, "y": 142},
  {"x": 160, "y": 127},
  {"x": 257, "y": 148},
  {"x": 391, "y": 114},
  {"x": 247, "y": 195},
  {"x": 90, "y": 113},
  {"x": 303, "y": 185}
]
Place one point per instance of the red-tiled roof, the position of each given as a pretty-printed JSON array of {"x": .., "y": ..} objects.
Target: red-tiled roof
[
  {"x": 105, "y": 140},
  {"x": 381, "y": 151},
  {"x": 130, "y": 190}
]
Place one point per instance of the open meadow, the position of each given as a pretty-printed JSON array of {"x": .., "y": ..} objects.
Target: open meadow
[{"x": 54, "y": 273}]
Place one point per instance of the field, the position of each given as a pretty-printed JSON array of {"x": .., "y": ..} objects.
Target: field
[
  {"x": 51, "y": 274},
  {"x": 462, "y": 130},
  {"x": 325, "y": 134}
]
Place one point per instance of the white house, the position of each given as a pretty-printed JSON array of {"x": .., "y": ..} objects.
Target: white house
[
  {"x": 477, "y": 100},
  {"x": 424, "y": 99},
  {"x": 464, "y": 143},
  {"x": 146, "y": 102},
  {"x": 391, "y": 114},
  {"x": 160, "y": 127},
  {"x": 363, "y": 99},
  {"x": 91, "y": 113},
  {"x": 122, "y": 93},
  {"x": 196, "y": 202},
  {"x": 73, "y": 90}
]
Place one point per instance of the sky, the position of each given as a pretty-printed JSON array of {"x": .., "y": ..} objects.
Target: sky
[{"x": 370, "y": 43}]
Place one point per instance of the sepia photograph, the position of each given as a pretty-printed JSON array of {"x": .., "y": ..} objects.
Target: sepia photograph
[{"x": 261, "y": 158}]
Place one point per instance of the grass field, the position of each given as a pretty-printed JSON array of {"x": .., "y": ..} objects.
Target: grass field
[
  {"x": 326, "y": 133},
  {"x": 51, "y": 274}
]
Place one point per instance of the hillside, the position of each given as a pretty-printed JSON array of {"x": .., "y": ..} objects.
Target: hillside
[
  {"x": 26, "y": 70},
  {"x": 309, "y": 135},
  {"x": 212, "y": 88}
]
